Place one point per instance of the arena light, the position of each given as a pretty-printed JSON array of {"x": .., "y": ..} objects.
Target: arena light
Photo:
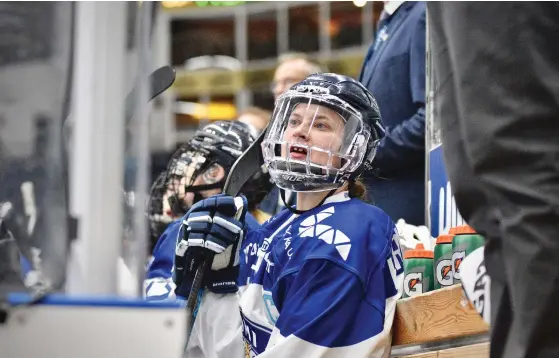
[
  {"x": 359, "y": 3},
  {"x": 212, "y": 111},
  {"x": 175, "y": 4}
]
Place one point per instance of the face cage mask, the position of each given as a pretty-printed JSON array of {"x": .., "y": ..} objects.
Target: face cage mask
[
  {"x": 189, "y": 167},
  {"x": 314, "y": 143},
  {"x": 157, "y": 212}
]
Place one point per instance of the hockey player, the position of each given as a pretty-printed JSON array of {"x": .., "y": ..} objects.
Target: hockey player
[
  {"x": 159, "y": 212},
  {"x": 196, "y": 171},
  {"x": 318, "y": 280}
]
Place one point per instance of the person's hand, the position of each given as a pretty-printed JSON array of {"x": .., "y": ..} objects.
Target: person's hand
[{"x": 211, "y": 230}]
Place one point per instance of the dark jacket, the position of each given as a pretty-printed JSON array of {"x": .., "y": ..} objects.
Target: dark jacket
[{"x": 394, "y": 72}]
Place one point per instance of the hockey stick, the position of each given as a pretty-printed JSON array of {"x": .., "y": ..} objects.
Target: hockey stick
[
  {"x": 159, "y": 80},
  {"x": 242, "y": 170}
]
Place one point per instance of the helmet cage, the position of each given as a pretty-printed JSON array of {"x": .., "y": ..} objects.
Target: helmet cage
[{"x": 345, "y": 154}]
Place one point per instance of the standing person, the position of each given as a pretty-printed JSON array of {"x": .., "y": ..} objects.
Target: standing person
[
  {"x": 497, "y": 98},
  {"x": 310, "y": 274},
  {"x": 198, "y": 170},
  {"x": 292, "y": 68},
  {"x": 394, "y": 72}
]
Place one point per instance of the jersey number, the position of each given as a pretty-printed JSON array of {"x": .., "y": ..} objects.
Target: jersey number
[{"x": 396, "y": 257}]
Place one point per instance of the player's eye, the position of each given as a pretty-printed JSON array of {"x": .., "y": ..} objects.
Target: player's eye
[
  {"x": 294, "y": 122},
  {"x": 322, "y": 126}
]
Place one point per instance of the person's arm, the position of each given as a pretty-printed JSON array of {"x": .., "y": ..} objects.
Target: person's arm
[
  {"x": 328, "y": 312},
  {"x": 215, "y": 225},
  {"x": 404, "y": 144},
  {"x": 159, "y": 284},
  {"x": 217, "y": 331}
]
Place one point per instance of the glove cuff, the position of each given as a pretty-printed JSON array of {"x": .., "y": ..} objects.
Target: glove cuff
[{"x": 222, "y": 281}]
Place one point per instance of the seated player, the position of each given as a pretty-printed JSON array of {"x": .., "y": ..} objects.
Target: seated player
[
  {"x": 317, "y": 280},
  {"x": 196, "y": 171}
]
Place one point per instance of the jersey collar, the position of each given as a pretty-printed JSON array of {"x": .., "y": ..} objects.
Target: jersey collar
[{"x": 337, "y": 198}]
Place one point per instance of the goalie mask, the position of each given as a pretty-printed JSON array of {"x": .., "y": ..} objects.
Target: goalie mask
[
  {"x": 202, "y": 165},
  {"x": 323, "y": 132}
]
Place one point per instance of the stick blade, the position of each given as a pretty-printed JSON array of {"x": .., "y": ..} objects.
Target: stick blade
[
  {"x": 245, "y": 167},
  {"x": 161, "y": 79}
]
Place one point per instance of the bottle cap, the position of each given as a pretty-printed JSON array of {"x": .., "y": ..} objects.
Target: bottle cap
[
  {"x": 464, "y": 229},
  {"x": 445, "y": 239},
  {"x": 419, "y": 253}
]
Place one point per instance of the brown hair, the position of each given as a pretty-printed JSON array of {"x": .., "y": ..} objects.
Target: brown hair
[{"x": 357, "y": 189}]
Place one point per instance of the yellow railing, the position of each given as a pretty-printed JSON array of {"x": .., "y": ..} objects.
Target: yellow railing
[{"x": 224, "y": 83}]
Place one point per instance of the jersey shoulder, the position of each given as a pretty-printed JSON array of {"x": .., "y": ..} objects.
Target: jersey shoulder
[
  {"x": 252, "y": 223},
  {"x": 353, "y": 234}
]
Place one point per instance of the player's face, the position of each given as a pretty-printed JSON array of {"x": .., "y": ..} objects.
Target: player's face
[
  {"x": 167, "y": 211},
  {"x": 175, "y": 188},
  {"x": 314, "y": 126},
  {"x": 212, "y": 175}
]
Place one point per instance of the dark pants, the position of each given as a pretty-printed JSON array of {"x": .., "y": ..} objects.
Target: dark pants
[{"x": 496, "y": 68}]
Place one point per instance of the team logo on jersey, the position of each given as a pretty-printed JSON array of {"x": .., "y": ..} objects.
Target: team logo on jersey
[
  {"x": 413, "y": 283},
  {"x": 444, "y": 272},
  {"x": 310, "y": 227},
  {"x": 158, "y": 288},
  {"x": 457, "y": 258}
]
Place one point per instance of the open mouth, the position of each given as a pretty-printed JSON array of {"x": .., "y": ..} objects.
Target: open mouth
[{"x": 297, "y": 152}]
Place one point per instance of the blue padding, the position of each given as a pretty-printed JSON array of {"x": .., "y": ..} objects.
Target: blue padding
[{"x": 57, "y": 299}]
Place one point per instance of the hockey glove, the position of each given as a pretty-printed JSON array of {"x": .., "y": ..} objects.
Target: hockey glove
[{"x": 212, "y": 229}]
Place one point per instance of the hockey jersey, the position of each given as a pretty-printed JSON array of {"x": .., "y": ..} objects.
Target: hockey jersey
[{"x": 321, "y": 284}]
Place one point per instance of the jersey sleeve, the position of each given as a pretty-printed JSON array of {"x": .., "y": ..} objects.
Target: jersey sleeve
[
  {"x": 159, "y": 284},
  {"x": 328, "y": 312},
  {"x": 217, "y": 331}
]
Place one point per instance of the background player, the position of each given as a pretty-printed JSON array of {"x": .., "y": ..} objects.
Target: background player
[{"x": 198, "y": 170}]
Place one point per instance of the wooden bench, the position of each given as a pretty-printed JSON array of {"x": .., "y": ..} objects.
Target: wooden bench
[{"x": 439, "y": 324}]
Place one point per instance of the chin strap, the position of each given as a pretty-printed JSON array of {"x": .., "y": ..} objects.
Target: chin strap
[
  {"x": 204, "y": 187},
  {"x": 299, "y": 212},
  {"x": 177, "y": 205},
  {"x": 350, "y": 184}
]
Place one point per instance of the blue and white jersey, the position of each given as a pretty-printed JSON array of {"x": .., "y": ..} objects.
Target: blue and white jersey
[
  {"x": 321, "y": 284},
  {"x": 159, "y": 284}
]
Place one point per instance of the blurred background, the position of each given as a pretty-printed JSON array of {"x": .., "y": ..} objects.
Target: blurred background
[{"x": 225, "y": 54}]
